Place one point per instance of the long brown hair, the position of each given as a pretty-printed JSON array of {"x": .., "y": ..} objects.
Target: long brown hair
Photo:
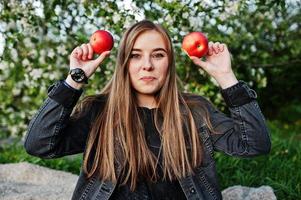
[{"x": 117, "y": 135}]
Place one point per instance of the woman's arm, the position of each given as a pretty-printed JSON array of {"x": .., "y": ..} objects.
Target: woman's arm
[
  {"x": 244, "y": 133},
  {"x": 52, "y": 132}
]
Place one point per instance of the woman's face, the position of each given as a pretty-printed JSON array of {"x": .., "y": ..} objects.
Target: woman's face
[{"x": 148, "y": 63}]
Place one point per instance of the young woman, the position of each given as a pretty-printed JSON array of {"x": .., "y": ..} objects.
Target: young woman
[{"x": 142, "y": 138}]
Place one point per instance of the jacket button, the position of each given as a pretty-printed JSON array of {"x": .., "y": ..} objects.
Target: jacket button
[
  {"x": 253, "y": 93},
  {"x": 192, "y": 190}
]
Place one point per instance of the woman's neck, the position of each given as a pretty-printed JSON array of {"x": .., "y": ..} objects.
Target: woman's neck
[{"x": 147, "y": 101}]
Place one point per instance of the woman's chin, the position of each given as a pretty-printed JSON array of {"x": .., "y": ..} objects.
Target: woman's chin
[{"x": 147, "y": 91}]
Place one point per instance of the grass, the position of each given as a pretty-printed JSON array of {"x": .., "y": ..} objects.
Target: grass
[{"x": 280, "y": 169}]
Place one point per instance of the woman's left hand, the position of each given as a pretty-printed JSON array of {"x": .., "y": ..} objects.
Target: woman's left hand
[{"x": 217, "y": 64}]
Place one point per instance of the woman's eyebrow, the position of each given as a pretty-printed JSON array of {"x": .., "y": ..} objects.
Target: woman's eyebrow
[{"x": 156, "y": 49}]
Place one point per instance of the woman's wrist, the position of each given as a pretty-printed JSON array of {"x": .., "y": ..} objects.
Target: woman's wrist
[
  {"x": 73, "y": 84},
  {"x": 226, "y": 80}
]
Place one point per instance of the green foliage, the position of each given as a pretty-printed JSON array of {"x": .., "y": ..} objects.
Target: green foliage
[
  {"x": 37, "y": 37},
  {"x": 279, "y": 169}
]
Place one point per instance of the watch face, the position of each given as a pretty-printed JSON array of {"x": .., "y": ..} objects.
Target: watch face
[{"x": 78, "y": 75}]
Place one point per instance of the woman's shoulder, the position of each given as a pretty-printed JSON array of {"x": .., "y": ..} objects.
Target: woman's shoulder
[
  {"x": 191, "y": 97},
  {"x": 97, "y": 101},
  {"x": 91, "y": 104},
  {"x": 100, "y": 98}
]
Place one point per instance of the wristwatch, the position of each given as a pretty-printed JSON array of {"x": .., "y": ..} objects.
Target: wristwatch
[{"x": 78, "y": 75}]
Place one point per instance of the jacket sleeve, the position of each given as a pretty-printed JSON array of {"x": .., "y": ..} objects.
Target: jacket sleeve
[
  {"x": 244, "y": 133},
  {"x": 53, "y": 132}
]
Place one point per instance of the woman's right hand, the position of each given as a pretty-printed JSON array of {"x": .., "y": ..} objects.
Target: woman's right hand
[{"x": 82, "y": 57}]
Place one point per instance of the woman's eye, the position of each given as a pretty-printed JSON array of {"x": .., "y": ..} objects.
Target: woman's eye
[
  {"x": 134, "y": 55},
  {"x": 158, "y": 55}
]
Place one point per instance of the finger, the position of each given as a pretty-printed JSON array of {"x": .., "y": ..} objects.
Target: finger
[
  {"x": 76, "y": 52},
  {"x": 219, "y": 46},
  {"x": 222, "y": 47},
  {"x": 199, "y": 62},
  {"x": 90, "y": 54},
  {"x": 85, "y": 51},
  {"x": 215, "y": 47},
  {"x": 210, "y": 50},
  {"x": 79, "y": 52},
  {"x": 102, "y": 56}
]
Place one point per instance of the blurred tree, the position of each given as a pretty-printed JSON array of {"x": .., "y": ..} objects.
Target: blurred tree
[{"x": 36, "y": 37}]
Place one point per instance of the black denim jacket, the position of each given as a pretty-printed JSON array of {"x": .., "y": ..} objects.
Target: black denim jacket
[{"x": 53, "y": 133}]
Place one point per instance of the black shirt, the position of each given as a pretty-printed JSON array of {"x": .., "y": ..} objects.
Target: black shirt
[{"x": 162, "y": 189}]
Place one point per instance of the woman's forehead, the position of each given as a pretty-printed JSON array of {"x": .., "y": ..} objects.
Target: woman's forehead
[{"x": 151, "y": 40}]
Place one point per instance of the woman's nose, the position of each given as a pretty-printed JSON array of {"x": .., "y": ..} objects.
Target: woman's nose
[{"x": 147, "y": 64}]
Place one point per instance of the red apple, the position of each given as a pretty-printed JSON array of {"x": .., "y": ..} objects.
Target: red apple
[
  {"x": 195, "y": 44},
  {"x": 101, "y": 41}
]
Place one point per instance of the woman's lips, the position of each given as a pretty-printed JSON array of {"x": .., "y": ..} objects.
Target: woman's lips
[{"x": 147, "y": 78}]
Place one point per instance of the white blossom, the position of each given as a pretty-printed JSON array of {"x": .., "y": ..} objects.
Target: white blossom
[
  {"x": 253, "y": 72},
  {"x": 16, "y": 91},
  {"x": 212, "y": 21},
  {"x": 36, "y": 73},
  {"x": 185, "y": 15},
  {"x": 128, "y": 22},
  {"x": 81, "y": 10},
  {"x": 229, "y": 30},
  {"x": 260, "y": 70},
  {"x": 58, "y": 10},
  {"x": 54, "y": 75},
  {"x": 2, "y": 43},
  {"x": 168, "y": 19},
  {"x": 25, "y": 62},
  {"x": 4, "y": 65},
  {"x": 62, "y": 50},
  {"x": 51, "y": 53},
  {"x": 39, "y": 8},
  {"x": 22, "y": 24},
  {"x": 42, "y": 52},
  {"x": 25, "y": 99},
  {"x": 28, "y": 43},
  {"x": 2, "y": 83},
  {"x": 232, "y": 7},
  {"x": 222, "y": 28},
  {"x": 263, "y": 82},
  {"x": 13, "y": 130},
  {"x": 213, "y": 81},
  {"x": 33, "y": 53},
  {"x": 14, "y": 55},
  {"x": 195, "y": 22},
  {"x": 11, "y": 25},
  {"x": 42, "y": 59},
  {"x": 253, "y": 48},
  {"x": 3, "y": 26},
  {"x": 223, "y": 16},
  {"x": 116, "y": 18},
  {"x": 293, "y": 27}
]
